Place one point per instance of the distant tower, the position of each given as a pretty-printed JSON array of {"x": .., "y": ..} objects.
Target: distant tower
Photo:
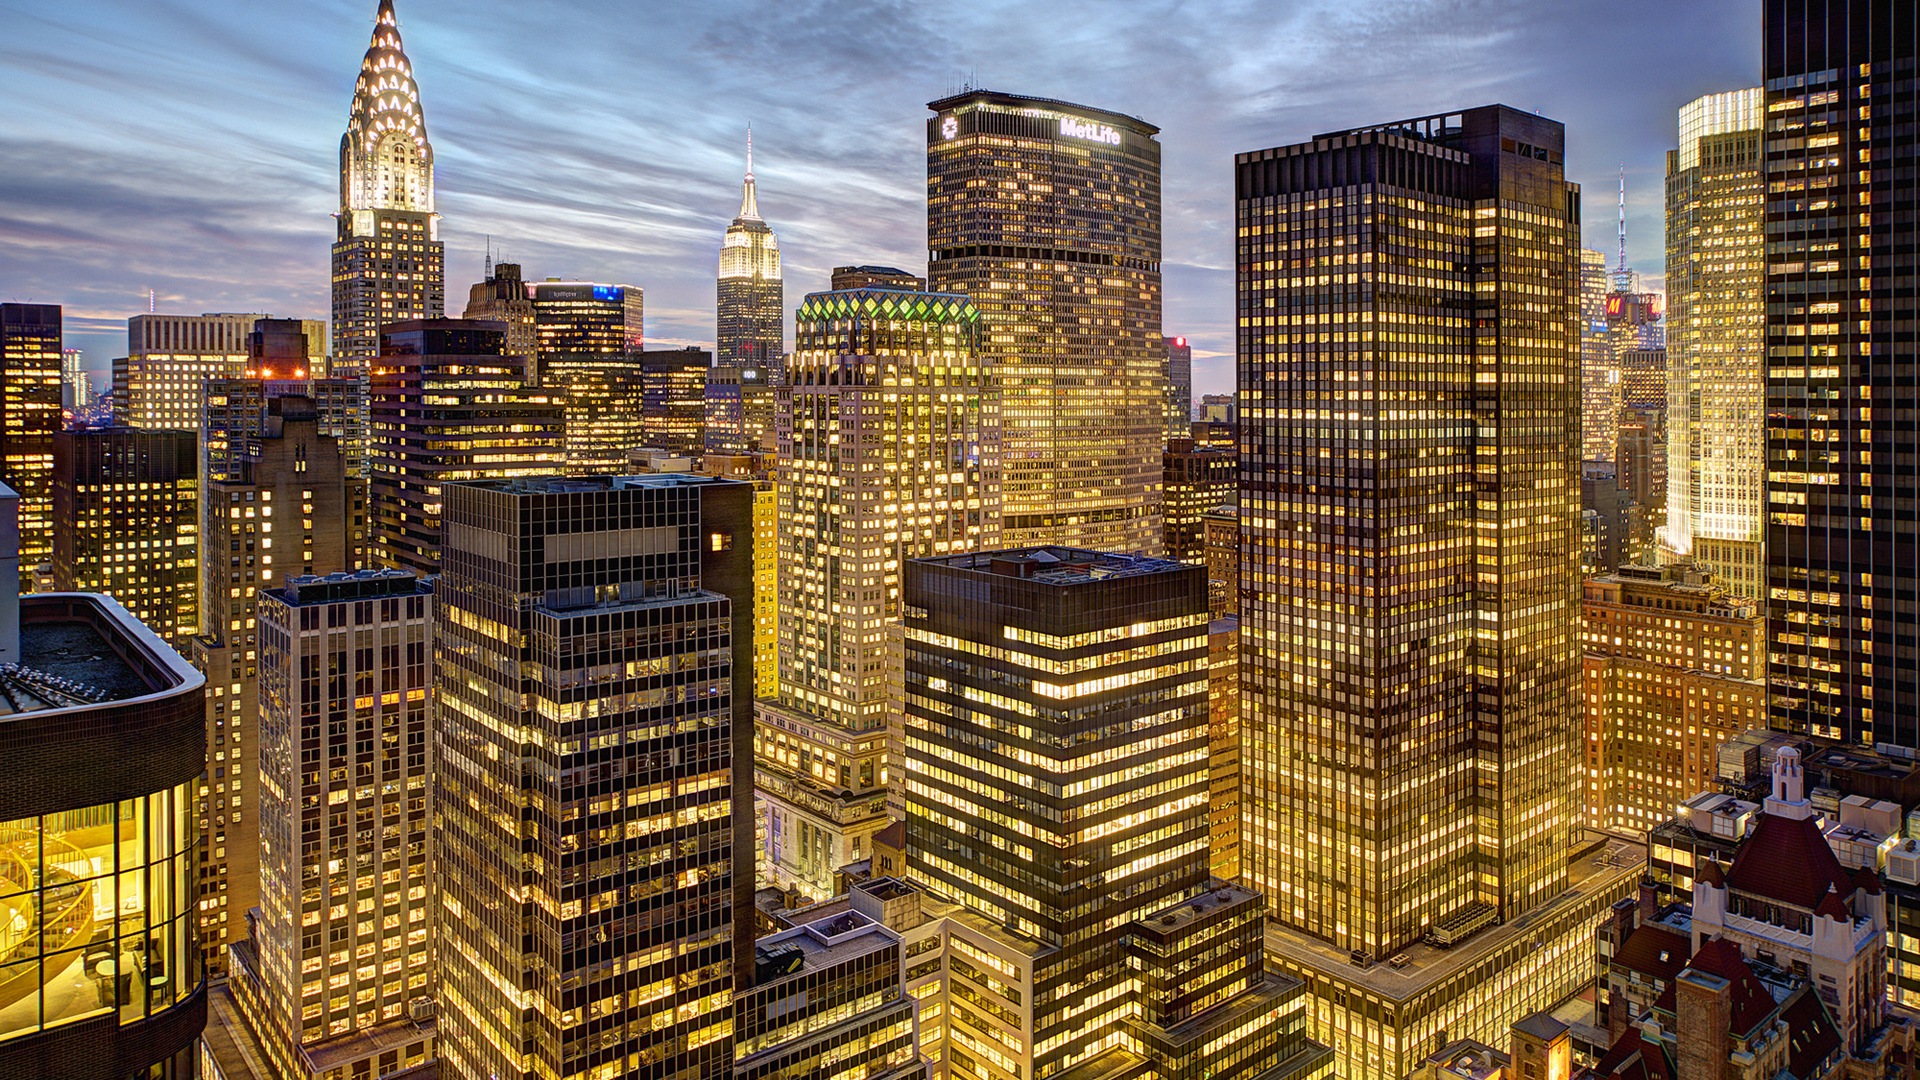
[
  {"x": 388, "y": 263},
  {"x": 1622, "y": 275},
  {"x": 749, "y": 326}
]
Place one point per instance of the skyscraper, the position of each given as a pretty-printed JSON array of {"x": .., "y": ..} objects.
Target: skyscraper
[
  {"x": 1047, "y": 215},
  {"x": 750, "y": 297},
  {"x": 388, "y": 262},
  {"x": 338, "y": 949},
  {"x": 284, "y": 504},
  {"x": 584, "y": 326},
  {"x": 1197, "y": 480},
  {"x": 99, "y": 939},
  {"x": 1716, "y": 329},
  {"x": 76, "y": 386},
  {"x": 592, "y": 703},
  {"x": 1843, "y": 555},
  {"x": 739, "y": 410},
  {"x": 160, "y": 383},
  {"x": 447, "y": 406},
  {"x": 128, "y": 506},
  {"x": 236, "y": 409},
  {"x": 504, "y": 297},
  {"x": 1409, "y": 524},
  {"x": 1056, "y": 782},
  {"x": 889, "y": 450},
  {"x": 1599, "y": 374},
  {"x": 1179, "y": 388},
  {"x": 673, "y": 402},
  {"x": 29, "y": 415}
]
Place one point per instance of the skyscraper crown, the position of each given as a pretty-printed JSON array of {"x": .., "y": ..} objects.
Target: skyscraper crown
[{"x": 386, "y": 161}]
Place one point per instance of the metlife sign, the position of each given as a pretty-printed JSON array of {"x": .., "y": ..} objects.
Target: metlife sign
[{"x": 1075, "y": 128}]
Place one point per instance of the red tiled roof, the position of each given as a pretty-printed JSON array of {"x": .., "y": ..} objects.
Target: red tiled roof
[
  {"x": 1834, "y": 908},
  {"x": 1710, "y": 873},
  {"x": 1812, "y": 1036},
  {"x": 1632, "y": 1059},
  {"x": 893, "y": 834},
  {"x": 1654, "y": 951},
  {"x": 1749, "y": 1003},
  {"x": 1787, "y": 860},
  {"x": 1868, "y": 880}
]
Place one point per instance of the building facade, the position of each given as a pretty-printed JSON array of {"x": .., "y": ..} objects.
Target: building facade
[
  {"x": 1223, "y": 744},
  {"x": 30, "y": 340},
  {"x": 286, "y": 506},
  {"x": 1674, "y": 667},
  {"x": 750, "y": 316},
  {"x": 1069, "y": 286},
  {"x": 128, "y": 504},
  {"x": 1716, "y": 265},
  {"x": 673, "y": 402},
  {"x": 99, "y": 946},
  {"x": 1599, "y": 375},
  {"x": 1842, "y": 552},
  {"x": 1179, "y": 388},
  {"x": 1056, "y": 750},
  {"x": 584, "y": 326},
  {"x": 388, "y": 263},
  {"x": 447, "y": 405},
  {"x": 889, "y": 450},
  {"x": 1409, "y": 602},
  {"x": 504, "y": 297},
  {"x": 886, "y": 277},
  {"x": 739, "y": 410},
  {"x": 1196, "y": 481},
  {"x": 602, "y": 627},
  {"x": 338, "y": 958},
  {"x": 161, "y": 383}
]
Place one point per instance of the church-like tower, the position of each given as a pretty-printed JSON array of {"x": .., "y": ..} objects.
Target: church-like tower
[
  {"x": 749, "y": 327},
  {"x": 388, "y": 263}
]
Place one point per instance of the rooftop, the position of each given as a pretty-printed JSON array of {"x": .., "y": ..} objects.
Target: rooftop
[
  {"x": 1602, "y": 866},
  {"x": 981, "y": 96},
  {"x": 1055, "y": 565},
  {"x": 350, "y": 585},
  {"x": 564, "y": 485}
]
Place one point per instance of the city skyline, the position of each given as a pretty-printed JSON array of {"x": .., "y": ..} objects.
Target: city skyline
[{"x": 640, "y": 193}]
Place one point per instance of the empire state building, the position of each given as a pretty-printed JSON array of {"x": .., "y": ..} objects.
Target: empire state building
[{"x": 388, "y": 263}]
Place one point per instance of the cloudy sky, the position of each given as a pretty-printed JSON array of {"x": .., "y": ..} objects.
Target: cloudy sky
[{"x": 192, "y": 148}]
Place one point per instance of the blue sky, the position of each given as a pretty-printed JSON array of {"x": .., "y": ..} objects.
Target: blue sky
[{"x": 193, "y": 148}]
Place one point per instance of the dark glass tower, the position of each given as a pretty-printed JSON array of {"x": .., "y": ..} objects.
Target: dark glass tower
[
  {"x": 29, "y": 415},
  {"x": 1843, "y": 379},
  {"x": 1047, "y": 215},
  {"x": 593, "y": 700},
  {"x": 1410, "y": 600},
  {"x": 1409, "y": 513}
]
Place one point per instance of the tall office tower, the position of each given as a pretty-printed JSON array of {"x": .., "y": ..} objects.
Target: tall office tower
[
  {"x": 338, "y": 952},
  {"x": 1640, "y": 460},
  {"x": 128, "y": 504},
  {"x": 504, "y": 297},
  {"x": 593, "y": 699},
  {"x": 739, "y": 410},
  {"x": 889, "y": 450},
  {"x": 99, "y": 946},
  {"x": 29, "y": 415},
  {"x": 1047, "y": 215},
  {"x": 1843, "y": 551},
  {"x": 237, "y": 409},
  {"x": 160, "y": 383},
  {"x": 1220, "y": 538},
  {"x": 1055, "y": 772},
  {"x": 388, "y": 263},
  {"x": 76, "y": 386},
  {"x": 1716, "y": 267},
  {"x": 446, "y": 405},
  {"x": 1196, "y": 481},
  {"x": 1643, "y": 378},
  {"x": 1179, "y": 388},
  {"x": 750, "y": 317},
  {"x": 1599, "y": 376},
  {"x": 886, "y": 277},
  {"x": 283, "y": 506},
  {"x": 1674, "y": 667},
  {"x": 1223, "y": 744},
  {"x": 1410, "y": 666},
  {"x": 673, "y": 403},
  {"x": 584, "y": 326}
]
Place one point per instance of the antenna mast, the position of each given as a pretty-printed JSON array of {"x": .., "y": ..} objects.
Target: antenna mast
[{"x": 1623, "y": 277}]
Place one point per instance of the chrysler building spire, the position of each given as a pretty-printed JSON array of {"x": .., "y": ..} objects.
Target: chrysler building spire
[{"x": 387, "y": 257}]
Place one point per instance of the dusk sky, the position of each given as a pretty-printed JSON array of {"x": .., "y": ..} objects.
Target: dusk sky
[{"x": 193, "y": 148}]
